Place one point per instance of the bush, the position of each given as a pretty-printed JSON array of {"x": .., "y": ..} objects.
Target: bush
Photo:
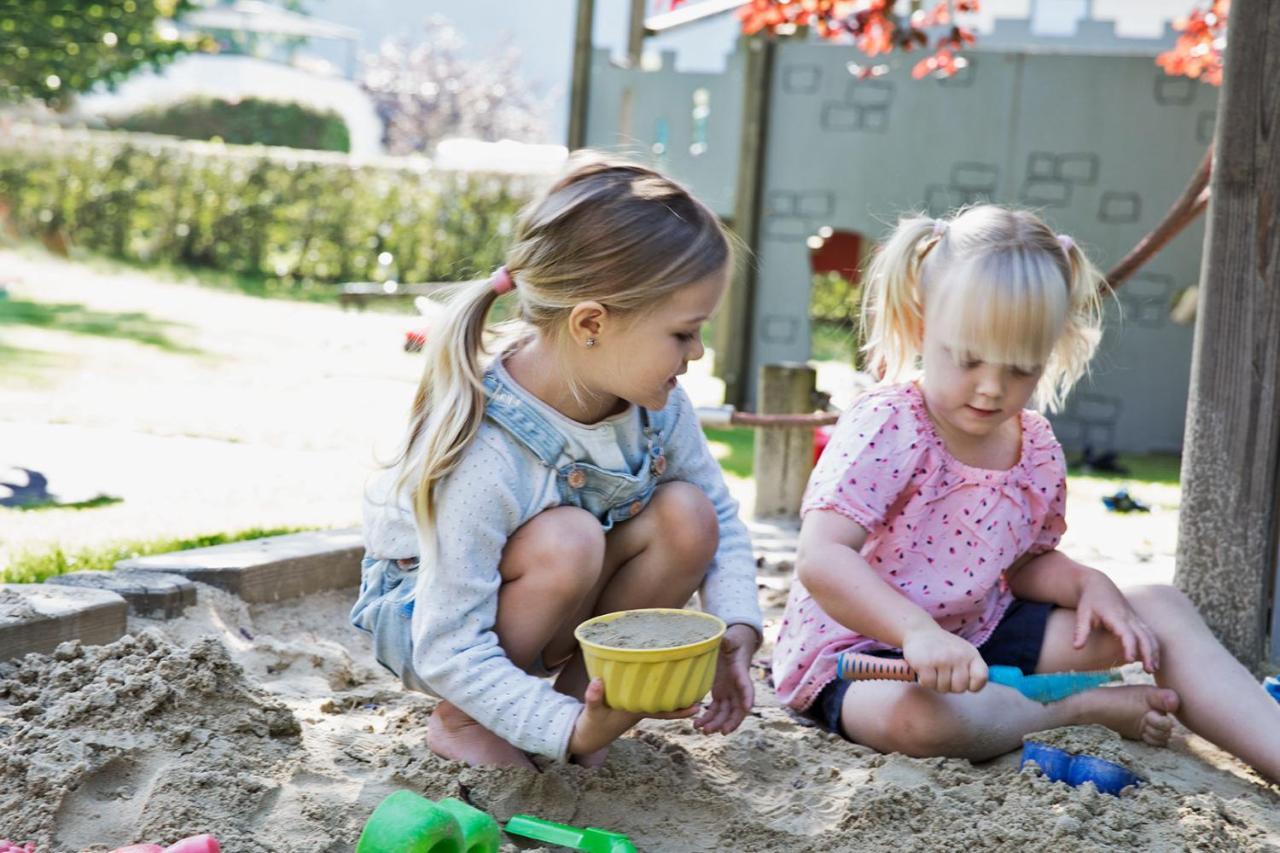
[
  {"x": 246, "y": 122},
  {"x": 286, "y": 216},
  {"x": 834, "y": 309}
]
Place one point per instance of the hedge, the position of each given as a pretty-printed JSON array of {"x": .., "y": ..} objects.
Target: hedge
[
  {"x": 245, "y": 122},
  {"x": 290, "y": 217}
]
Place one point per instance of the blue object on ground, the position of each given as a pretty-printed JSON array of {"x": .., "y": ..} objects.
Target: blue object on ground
[
  {"x": 1122, "y": 501},
  {"x": 1061, "y": 766},
  {"x": 1272, "y": 686}
]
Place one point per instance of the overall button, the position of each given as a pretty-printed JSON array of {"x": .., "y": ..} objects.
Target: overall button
[
  {"x": 577, "y": 478},
  {"x": 659, "y": 465},
  {"x": 635, "y": 507}
]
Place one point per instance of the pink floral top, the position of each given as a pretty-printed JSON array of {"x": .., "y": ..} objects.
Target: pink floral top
[{"x": 940, "y": 531}]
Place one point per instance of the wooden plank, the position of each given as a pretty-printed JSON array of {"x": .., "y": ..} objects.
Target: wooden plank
[
  {"x": 154, "y": 595},
  {"x": 735, "y": 327},
  {"x": 268, "y": 569},
  {"x": 1229, "y": 519},
  {"x": 636, "y": 33},
  {"x": 580, "y": 88},
  {"x": 37, "y": 617},
  {"x": 783, "y": 456}
]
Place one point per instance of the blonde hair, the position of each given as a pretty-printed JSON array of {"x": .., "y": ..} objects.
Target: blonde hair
[
  {"x": 608, "y": 230},
  {"x": 998, "y": 283}
]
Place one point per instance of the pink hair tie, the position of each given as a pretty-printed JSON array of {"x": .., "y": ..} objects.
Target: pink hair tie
[
  {"x": 939, "y": 227},
  {"x": 1067, "y": 244},
  {"x": 501, "y": 281}
]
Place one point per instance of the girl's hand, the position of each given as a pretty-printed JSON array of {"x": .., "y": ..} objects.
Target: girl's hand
[
  {"x": 1102, "y": 604},
  {"x": 943, "y": 661},
  {"x": 732, "y": 694},
  {"x": 599, "y": 725}
]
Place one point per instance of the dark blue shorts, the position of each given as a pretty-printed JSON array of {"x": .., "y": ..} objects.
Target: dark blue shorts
[{"x": 1016, "y": 641}]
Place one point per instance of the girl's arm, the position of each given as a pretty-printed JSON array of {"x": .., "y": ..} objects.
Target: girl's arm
[
  {"x": 729, "y": 586},
  {"x": 1051, "y": 577},
  {"x": 1055, "y": 578},
  {"x": 729, "y": 589},
  {"x": 830, "y": 566}
]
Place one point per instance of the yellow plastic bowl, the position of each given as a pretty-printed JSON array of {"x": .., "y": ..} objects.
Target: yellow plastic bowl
[{"x": 649, "y": 681}]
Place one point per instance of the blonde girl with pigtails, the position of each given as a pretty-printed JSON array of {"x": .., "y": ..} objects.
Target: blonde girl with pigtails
[
  {"x": 560, "y": 476},
  {"x": 931, "y": 523}
]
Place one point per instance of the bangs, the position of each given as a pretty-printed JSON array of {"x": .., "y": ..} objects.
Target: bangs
[{"x": 1007, "y": 307}]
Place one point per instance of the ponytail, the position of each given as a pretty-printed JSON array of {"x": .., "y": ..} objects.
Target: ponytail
[
  {"x": 892, "y": 308},
  {"x": 449, "y": 405},
  {"x": 1082, "y": 331}
]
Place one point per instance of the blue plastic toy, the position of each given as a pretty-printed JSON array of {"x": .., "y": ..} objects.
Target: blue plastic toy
[
  {"x": 1061, "y": 766},
  {"x": 1043, "y": 688},
  {"x": 1272, "y": 686}
]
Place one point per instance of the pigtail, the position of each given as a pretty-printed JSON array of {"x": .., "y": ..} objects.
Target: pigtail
[
  {"x": 1081, "y": 332},
  {"x": 449, "y": 405},
  {"x": 892, "y": 309}
]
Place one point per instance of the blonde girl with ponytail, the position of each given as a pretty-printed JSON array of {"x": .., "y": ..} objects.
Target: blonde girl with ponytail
[
  {"x": 931, "y": 523},
  {"x": 556, "y": 470}
]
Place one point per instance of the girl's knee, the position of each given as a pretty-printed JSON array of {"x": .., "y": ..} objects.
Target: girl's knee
[
  {"x": 1160, "y": 604},
  {"x": 686, "y": 521},
  {"x": 563, "y": 546},
  {"x": 917, "y": 723}
]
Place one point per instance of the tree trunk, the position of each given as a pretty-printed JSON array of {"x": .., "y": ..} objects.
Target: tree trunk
[{"x": 1231, "y": 468}]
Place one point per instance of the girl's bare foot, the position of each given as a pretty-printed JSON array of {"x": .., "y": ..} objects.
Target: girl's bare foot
[
  {"x": 1135, "y": 712},
  {"x": 592, "y": 760},
  {"x": 452, "y": 734}
]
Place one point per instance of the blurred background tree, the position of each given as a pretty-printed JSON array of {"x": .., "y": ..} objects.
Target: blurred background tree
[
  {"x": 426, "y": 91},
  {"x": 50, "y": 50}
]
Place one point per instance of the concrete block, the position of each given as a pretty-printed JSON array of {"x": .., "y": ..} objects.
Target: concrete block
[
  {"x": 156, "y": 595},
  {"x": 267, "y": 569},
  {"x": 36, "y": 617}
]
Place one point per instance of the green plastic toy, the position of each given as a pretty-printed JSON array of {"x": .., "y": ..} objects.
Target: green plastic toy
[
  {"x": 590, "y": 839},
  {"x": 407, "y": 823}
]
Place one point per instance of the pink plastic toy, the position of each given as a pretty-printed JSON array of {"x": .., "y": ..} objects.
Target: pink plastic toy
[
  {"x": 7, "y": 846},
  {"x": 194, "y": 844}
]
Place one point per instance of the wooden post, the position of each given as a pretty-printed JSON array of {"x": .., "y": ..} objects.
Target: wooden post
[
  {"x": 783, "y": 456},
  {"x": 1227, "y": 537},
  {"x": 636, "y": 33},
  {"x": 735, "y": 326},
  {"x": 579, "y": 93}
]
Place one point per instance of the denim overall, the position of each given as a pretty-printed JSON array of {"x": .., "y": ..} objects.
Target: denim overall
[{"x": 387, "y": 588}]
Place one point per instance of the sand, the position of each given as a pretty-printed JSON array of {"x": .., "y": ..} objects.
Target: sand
[
  {"x": 650, "y": 631},
  {"x": 271, "y": 727}
]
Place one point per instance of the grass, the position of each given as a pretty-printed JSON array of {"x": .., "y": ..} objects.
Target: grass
[
  {"x": 71, "y": 317},
  {"x": 738, "y": 448},
  {"x": 735, "y": 448},
  {"x": 34, "y": 567},
  {"x": 53, "y": 503},
  {"x": 1162, "y": 468}
]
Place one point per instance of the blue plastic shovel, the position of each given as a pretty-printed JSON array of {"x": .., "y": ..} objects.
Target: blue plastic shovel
[{"x": 1049, "y": 687}]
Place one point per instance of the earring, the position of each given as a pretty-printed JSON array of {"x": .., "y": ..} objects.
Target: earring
[{"x": 591, "y": 342}]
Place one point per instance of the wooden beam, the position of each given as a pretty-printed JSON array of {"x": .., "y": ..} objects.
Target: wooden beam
[
  {"x": 735, "y": 326},
  {"x": 636, "y": 33},
  {"x": 580, "y": 86},
  {"x": 1228, "y": 522}
]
